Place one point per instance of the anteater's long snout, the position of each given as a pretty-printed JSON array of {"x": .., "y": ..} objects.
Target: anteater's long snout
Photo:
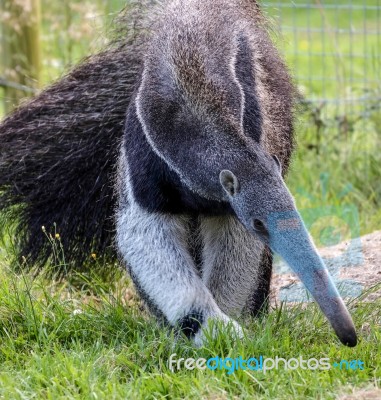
[{"x": 289, "y": 238}]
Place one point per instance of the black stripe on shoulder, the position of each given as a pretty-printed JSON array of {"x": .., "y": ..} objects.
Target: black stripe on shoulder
[{"x": 156, "y": 187}]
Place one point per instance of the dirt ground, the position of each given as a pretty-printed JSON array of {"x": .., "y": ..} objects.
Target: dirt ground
[
  {"x": 362, "y": 394},
  {"x": 355, "y": 266}
]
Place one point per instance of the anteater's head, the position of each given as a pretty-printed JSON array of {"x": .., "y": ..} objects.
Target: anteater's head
[{"x": 264, "y": 205}]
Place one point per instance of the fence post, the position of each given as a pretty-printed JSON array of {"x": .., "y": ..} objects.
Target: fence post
[{"x": 21, "y": 49}]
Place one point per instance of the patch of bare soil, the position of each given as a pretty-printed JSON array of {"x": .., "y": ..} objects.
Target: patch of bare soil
[
  {"x": 362, "y": 394},
  {"x": 355, "y": 266}
]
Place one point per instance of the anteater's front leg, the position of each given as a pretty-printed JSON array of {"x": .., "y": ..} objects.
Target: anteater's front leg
[
  {"x": 233, "y": 266},
  {"x": 155, "y": 247}
]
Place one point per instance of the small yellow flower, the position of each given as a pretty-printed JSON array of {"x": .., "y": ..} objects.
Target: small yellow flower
[
  {"x": 93, "y": 256},
  {"x": 58, "y": 236},
  {"x": 43, "y": 228}
]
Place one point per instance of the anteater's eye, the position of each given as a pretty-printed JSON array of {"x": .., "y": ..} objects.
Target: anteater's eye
[{"x": 259, "y": 225}]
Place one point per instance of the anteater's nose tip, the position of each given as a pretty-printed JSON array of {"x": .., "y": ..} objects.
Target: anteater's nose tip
[
  {"x": 346, "y": 331},
  {"x": 349, "y": 339}
]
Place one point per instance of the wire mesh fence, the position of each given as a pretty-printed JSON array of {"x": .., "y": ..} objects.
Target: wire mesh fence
[{"x": 334, "y": 51}]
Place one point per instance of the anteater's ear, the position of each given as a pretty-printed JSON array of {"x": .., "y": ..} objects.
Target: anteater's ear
[
  {"x": 279, "y": 165},
  {"x": 229, "y": 182}
]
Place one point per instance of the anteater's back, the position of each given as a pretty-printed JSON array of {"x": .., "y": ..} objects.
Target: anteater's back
[{"x": 218, "y": 55}]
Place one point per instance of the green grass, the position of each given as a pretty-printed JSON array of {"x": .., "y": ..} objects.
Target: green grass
[{"x": 57, "y": 341}]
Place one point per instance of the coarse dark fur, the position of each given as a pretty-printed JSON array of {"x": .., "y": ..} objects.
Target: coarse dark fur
[{"x": 59, "y": 151}]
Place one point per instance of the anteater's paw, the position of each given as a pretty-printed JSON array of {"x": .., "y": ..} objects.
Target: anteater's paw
[{"x": 215, "y": 326}]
